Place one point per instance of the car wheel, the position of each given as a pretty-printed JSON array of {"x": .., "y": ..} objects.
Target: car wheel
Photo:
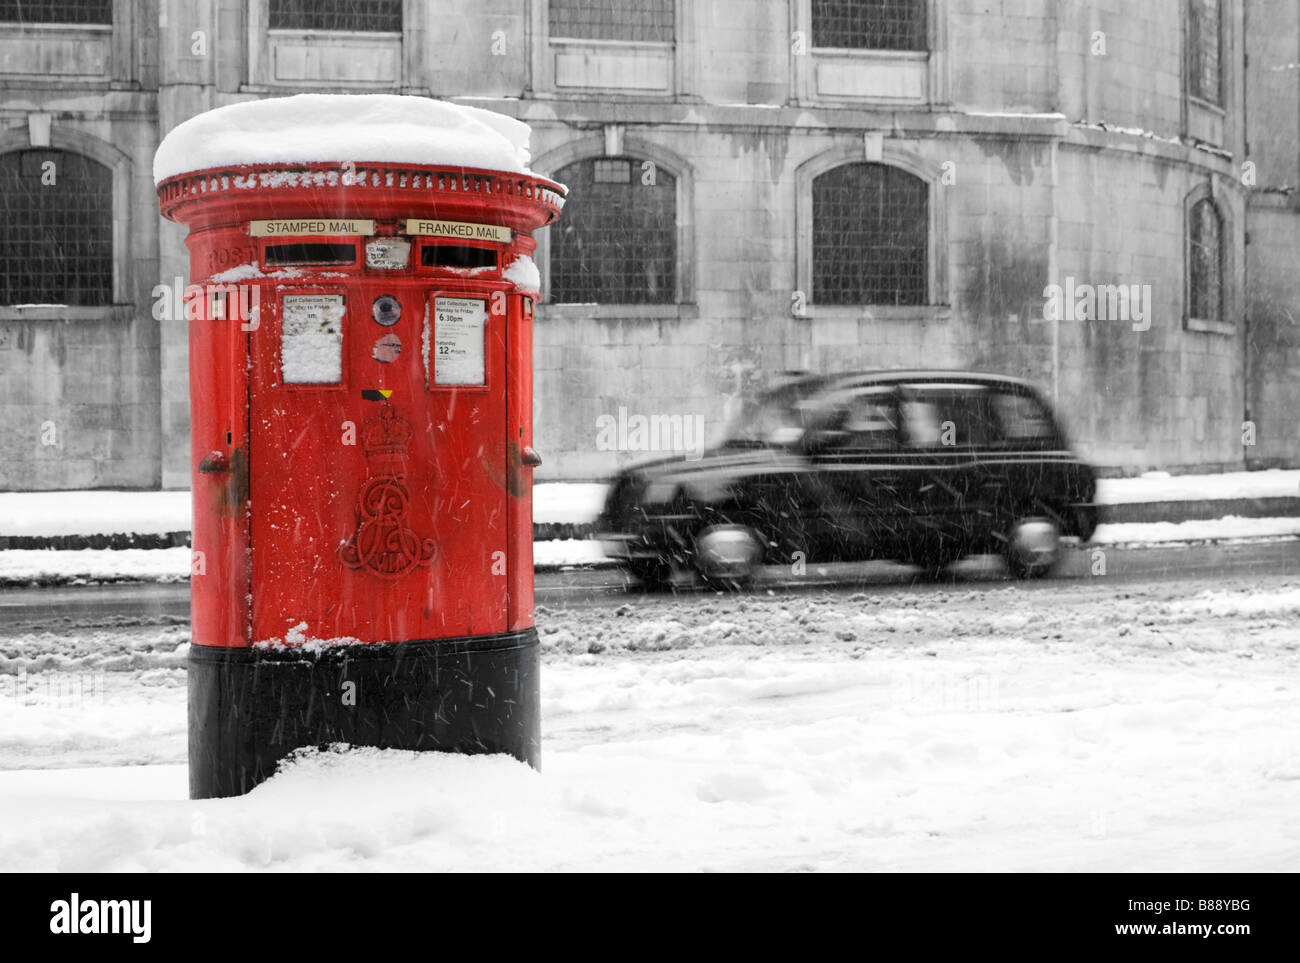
[
  {"x": 728, "y": 556},
  {"x": 1033, "y": 546},
  {"x": 654, "y": 574}
]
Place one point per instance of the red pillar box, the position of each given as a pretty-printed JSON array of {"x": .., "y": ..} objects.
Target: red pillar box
[{"x": 360, "y": 314}]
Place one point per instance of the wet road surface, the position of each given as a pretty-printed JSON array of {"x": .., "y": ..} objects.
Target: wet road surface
[{"x": 26, "y": 609}]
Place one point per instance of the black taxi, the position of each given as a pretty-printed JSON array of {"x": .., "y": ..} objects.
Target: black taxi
[{"x": 921, "y": 467}]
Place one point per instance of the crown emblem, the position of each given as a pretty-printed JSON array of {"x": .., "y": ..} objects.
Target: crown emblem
[
  {"x": 383, "y": 542},
  {"x": 385, "y": 437}
]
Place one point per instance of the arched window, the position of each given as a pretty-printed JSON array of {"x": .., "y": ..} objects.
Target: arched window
[
  {"x": 1204, "y": 74},
  {"x": 870, "y": 228},
  {"x": 617, "y": 241},
  {"x": 57, "y": 243},
  {"x": 869, "y": 24},
  {"x": 1205, "y": 272}
]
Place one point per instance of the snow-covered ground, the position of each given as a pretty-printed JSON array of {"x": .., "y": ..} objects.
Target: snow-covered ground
[
  {"x": 153, "y": 513},
  {"x": 94, "y": 513},
  {"x": 1228, "y": 528},
  {"x": 573, "y": 502},
  {"x": 1158, "y": 486},
  {"x": 1011, "y": 728},
  {"x": 18, "y": 566},
  {"x": 159, "y": 513}
]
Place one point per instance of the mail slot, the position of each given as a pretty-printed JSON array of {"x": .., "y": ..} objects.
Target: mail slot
[
  {"x": 308, "y": 252},
  {"x": 362, "y": 431},
  {"x": 458, "y": 255}
]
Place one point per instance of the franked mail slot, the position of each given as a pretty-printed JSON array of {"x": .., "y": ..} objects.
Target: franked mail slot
[{"x": 457, "y": 256}]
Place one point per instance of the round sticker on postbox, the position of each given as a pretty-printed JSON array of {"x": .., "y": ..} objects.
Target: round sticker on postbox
[
  {"x": 388, "y": 348},
  {"x": 386, "y": 310}
]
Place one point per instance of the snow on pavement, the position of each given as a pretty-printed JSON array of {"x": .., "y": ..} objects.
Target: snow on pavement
[
  {"x": 1159, "y": 486},
  {"x": 572, "y": 502},
  {"x": 19, "y": 566},
  {"x": 1229, "y": 528},
  {"x": 1153, "y": 727},
  {"x": 94, "y": 513},
  {"x": 101, "y": 512}
]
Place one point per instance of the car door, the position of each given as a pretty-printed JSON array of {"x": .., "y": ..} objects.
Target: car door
[
  {"x": 857, "y": 469},
  {"x": 1027, "y": 465},
  {"x": 946, "y": 427}
]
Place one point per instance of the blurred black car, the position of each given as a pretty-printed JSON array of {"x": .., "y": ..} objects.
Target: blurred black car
[{"x": 923, "y": 467}]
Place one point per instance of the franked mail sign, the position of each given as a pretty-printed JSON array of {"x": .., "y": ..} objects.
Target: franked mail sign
[
  {"x": 328, "y": 226},
  {"x": 462, "y": 230},
  {"x": 458, "y": 330}
]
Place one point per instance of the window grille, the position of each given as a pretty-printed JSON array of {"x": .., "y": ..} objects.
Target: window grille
[
  {"x": 353, "y": 16},
  {"x": 870, "y": 24},
  {"x": 1204, "y": 72},
  {"x": 1206, "y": 269},
  {"x": 870, "y": 236},
  {"x": 640, "y": 20},
  {"x": 56, "y": 11},
  {"x": 57, "y": 242},
  {"x": 613, "y": 172},
  {"x": 617, "y": 241}
]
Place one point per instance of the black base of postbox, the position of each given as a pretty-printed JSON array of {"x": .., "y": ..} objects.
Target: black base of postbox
[{"x": 249, "y": 708}]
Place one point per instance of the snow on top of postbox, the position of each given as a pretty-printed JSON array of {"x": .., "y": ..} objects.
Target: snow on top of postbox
[{"x": 337, "y": 128}]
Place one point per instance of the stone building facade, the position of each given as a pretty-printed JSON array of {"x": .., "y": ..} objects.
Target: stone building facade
[{"x": 757, "y": 186}]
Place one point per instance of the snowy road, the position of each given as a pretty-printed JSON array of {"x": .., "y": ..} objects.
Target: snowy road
[
  {"x": 1090, "y": 724},
  {"x": 63, "y": 608}
]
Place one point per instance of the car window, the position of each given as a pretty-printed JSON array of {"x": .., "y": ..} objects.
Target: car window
[
  {"x": 1022, "y": 417},
  {"x": 855, "y": 418},
  {"x": 871, "y": 421},
  {"x": 921, "y": 423},
  {"x": 947, "y": 415},
  {"x": 776, "y": 418}
]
